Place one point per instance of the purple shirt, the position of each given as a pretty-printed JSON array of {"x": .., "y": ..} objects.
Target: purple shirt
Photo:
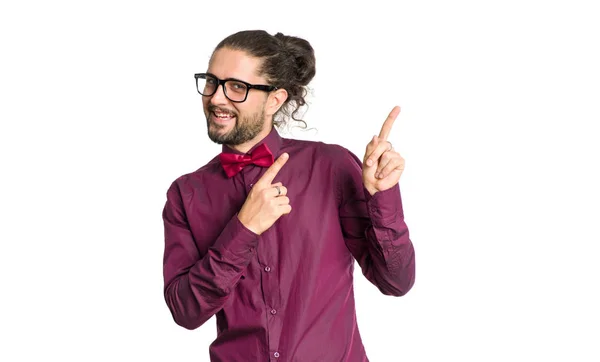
[{"x": 286, "y": 295}]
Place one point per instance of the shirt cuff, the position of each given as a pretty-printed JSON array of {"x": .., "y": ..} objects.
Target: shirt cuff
[
  {"x": 384, "y": 206},
  {"x": 236, "y": 240}
]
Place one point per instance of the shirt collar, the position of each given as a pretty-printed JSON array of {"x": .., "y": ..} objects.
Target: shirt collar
[{"x": 273, "y": 141}]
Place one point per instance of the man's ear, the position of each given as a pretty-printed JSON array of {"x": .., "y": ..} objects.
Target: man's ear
[{"x": 275, "y": 101}]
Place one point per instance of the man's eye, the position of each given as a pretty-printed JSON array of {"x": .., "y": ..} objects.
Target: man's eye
[{"x": 237, "y": 87}]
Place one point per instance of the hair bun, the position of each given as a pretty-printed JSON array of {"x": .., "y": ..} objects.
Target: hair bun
[{"x": 302, "y": 54}]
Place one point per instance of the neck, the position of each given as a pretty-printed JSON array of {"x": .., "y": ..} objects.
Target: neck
[{"x": 247, "y": 146}]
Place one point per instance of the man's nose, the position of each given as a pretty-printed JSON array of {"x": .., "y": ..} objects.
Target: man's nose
[{"x": 219, "y": 96}]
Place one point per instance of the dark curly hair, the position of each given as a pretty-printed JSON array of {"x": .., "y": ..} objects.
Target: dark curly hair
[{"x": 288, "y": 63}]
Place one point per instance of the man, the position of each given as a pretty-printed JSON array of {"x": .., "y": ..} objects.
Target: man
[{"x": 265, "y": 234}]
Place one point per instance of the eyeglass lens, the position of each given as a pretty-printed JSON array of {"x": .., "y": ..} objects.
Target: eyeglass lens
[{"x": 236, "y": 91}]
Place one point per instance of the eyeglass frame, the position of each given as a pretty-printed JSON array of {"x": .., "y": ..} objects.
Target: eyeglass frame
[{"x": 221, "y": 82}]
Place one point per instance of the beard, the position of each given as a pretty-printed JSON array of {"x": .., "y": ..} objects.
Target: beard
[{"x": 245, "y": 129}]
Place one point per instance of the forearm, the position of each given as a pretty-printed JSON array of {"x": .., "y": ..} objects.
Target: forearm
[
  {"x": 194, "y": 294},
  {"x": 381, "y": 244},
  {"x": 393, "y": 261}
]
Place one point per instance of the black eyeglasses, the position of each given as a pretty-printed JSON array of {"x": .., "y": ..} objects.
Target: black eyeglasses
[{"x": 235, "y": 90}]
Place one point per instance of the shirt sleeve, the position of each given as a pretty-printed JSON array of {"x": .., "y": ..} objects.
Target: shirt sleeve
[
  {"x": 374, "y": 230},
  {"x": 197, "y": 286}
]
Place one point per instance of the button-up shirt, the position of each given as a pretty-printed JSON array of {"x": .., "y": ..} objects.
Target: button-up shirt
[{"x": 286, "y": 294}]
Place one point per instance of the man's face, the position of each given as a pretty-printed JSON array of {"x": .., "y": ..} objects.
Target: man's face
[{"x": 230, "y": 122}]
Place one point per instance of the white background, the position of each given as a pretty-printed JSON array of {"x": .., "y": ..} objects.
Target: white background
[{"x": 498, "y": 128}]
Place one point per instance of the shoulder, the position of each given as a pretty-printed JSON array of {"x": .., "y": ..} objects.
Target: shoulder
[
  {"x": 341, "y": 164},
  {"x": 343, "y": 167},
  {"x": 332, "y": 153},
  {"x": 189, "y": 182}
]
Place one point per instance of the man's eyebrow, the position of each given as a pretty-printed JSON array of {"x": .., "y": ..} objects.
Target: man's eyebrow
[{"x": 236, "y": 79}]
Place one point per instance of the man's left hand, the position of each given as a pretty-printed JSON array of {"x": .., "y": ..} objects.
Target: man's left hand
[{"x": 382, "y": 166}]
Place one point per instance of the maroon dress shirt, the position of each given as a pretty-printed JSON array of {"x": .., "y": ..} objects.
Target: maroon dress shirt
[{"x": 286, "y": 295}]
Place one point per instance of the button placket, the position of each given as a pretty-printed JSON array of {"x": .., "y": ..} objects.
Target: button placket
[{"x": 267, "y": 260}]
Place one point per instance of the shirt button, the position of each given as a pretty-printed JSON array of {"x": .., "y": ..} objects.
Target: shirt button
[
  {"x": 276, "y": 354},
  {"x": 268, "y": 269},
  {"x": 251, "y": 185},
  {"x": 273, "y": 311}
]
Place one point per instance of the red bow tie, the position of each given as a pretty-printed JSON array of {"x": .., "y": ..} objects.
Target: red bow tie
[{"x": 233, "y": 163}]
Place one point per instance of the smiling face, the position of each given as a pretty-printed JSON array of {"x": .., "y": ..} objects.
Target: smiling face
[{"x": 240, "y": 125}]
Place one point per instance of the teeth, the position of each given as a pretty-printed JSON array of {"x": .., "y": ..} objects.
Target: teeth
[{"x": 223, "y": 115}]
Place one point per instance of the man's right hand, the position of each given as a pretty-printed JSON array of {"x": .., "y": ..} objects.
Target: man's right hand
[{"x": 266, "y": 201}]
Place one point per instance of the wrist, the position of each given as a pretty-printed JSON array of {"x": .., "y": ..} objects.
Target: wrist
[
  {"x": 247, "y": 224},
  {"x": 371, "y": 189}
]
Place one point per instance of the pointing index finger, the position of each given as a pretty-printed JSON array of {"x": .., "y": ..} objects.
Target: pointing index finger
[
  {"x": 272, "y": 171},
  {"x": 387, "y": 125}
]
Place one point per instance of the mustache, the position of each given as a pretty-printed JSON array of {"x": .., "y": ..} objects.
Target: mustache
[{"x": 212, "y": 108}]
